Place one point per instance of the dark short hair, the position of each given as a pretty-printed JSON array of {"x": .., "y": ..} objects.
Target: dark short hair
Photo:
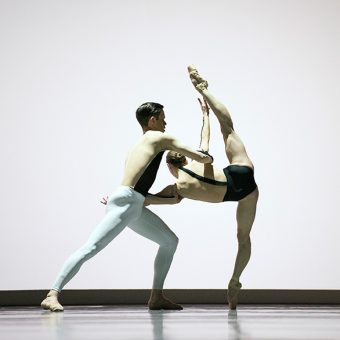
[
  {"x": 175, "y": 158},
  {"x": 147, "y": 110}
]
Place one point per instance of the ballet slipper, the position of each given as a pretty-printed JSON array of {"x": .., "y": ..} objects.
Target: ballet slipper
[
  {"x": 51, "y": 302},
  {"x": 232, "y": 294},
  {"x": 157, "y": 301},
  {"x": 163, "y": 304}
]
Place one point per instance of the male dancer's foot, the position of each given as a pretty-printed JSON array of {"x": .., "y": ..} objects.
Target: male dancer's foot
[
  {"x": 158, "y": 301},
  {"x": 232, "y": 294},
  {"x": 51, "y": 302},
  {"x": 196, "y": 79}
]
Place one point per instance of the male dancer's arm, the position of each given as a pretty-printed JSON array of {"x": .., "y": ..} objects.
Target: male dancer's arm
[
  {"x": 168, "y": 195},
  {"x": 171, "y": 143}
]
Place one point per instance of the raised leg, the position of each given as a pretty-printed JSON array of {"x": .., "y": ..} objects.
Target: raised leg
[
  {"x": 245, "y": 216},
  {"x": 234, "y": 147},
  {"x": 152, "y": 227}
]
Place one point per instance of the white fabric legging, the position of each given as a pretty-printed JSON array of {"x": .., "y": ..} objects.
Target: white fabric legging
[{"x": 124, "y": 207}]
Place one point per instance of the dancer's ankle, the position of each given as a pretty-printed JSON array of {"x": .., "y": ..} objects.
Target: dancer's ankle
[
  {"x": 53, "y": 293},
  {"x": 234, "y": 283},
  {"x": 156, "y": 293}
]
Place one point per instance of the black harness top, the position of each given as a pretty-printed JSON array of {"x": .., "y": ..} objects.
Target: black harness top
[
  {"x": 203, "y": 179},
  {"x": 149, "y": 175},
  {"x": 240, "y": 181}
]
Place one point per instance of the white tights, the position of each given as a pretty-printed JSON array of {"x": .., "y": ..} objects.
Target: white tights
[{"x": 124, "y": 207}]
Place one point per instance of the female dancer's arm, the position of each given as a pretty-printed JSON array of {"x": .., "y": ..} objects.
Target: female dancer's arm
[{"x": 205, "y": 132}]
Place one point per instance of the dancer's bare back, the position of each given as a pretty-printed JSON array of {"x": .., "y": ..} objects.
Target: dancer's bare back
[{"x": 192, "y": 188}]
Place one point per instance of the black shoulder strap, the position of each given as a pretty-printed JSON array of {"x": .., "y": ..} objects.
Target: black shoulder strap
[{"x": 201, "y": 178}]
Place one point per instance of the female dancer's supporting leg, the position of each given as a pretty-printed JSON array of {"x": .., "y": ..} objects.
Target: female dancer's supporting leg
[{"x": 236, "y": 154}]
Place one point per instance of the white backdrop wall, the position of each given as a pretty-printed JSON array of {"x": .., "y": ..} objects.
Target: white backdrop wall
[{"x": 73, "y": 74}]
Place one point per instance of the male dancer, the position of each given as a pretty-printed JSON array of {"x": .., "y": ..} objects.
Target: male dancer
[
  {"x": 126, "y": 207},
  {"x": 204, "y": 182}
]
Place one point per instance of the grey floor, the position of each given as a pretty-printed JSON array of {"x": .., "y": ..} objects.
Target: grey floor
[{"x": 208, "y": 322}]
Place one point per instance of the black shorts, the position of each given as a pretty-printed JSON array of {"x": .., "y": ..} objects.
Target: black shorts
[{"x": 240, "y": 183}]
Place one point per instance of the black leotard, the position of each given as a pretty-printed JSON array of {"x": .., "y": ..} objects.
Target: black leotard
[
  {"x": 149, "y": 175},
  {"x": 240, "y": 181}
]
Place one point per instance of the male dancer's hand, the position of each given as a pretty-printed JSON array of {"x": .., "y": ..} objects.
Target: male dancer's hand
[
  {"x": 176, "y": 199},
  {"x": 104, "y": 200}
]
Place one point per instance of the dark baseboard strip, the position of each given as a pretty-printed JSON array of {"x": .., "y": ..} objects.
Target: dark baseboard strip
[{"x": 186, "y": 296}]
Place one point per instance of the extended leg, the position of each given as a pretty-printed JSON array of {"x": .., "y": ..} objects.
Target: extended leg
[
  {"x": 234, "y": 147},
  {"x": 152, "y": 227},
  {"x": 218, "y": 108},
  {"x": 121, "y": 209},
  {"x": 245, "y": 215}
]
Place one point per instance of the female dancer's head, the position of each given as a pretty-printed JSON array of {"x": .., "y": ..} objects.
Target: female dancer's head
[{"x": 175, "y": 160}]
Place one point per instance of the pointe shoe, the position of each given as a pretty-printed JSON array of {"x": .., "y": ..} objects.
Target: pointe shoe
[
  {"x": 163, "y": 303},
  {"x": 232, "y": 294},
  {"x": 192, "y": 68},
  {"x": 196, "y": 79},
  {"x": 52, "y": 304}
]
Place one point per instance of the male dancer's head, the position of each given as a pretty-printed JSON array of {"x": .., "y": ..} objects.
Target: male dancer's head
[{"x": 151, "y": 117}]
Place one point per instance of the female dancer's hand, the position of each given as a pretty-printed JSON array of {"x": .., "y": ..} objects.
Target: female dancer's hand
[{"x": 204, "y": 106}]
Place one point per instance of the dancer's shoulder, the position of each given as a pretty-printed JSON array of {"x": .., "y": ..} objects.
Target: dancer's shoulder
[
  {"x": 154, "y": 134},
  {"x": 158, "y": 136}
]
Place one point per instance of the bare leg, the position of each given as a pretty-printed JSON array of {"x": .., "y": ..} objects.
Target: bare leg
[
  {"x": 236, "y": 154},
  {"x": 245, "y": 216},
  {"x": 234, "y": 147}
]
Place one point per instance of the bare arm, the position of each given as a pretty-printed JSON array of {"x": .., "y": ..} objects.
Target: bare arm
[
  {"x": 171, "y": 143},
  {"x": 152, "y": 199},
  {"x": 168, "y": 195},
  {"x": 205, "y": 132}
]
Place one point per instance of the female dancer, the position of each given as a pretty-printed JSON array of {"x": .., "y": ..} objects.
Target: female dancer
[{"x": 204, "y": 182}]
